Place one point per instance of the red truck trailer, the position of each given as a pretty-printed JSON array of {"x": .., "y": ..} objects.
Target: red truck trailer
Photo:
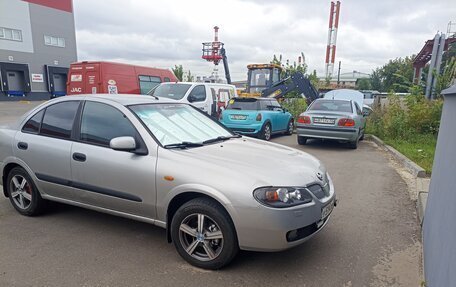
[{"x": 114, "y": 78}]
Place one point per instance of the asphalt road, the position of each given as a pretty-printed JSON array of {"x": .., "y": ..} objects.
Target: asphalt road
[{"x": 372, "y": 238}]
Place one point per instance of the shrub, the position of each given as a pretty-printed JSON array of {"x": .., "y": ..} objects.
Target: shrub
[
  {"x": 295, "y": 106},
  {"x": 403, "y": 119}
]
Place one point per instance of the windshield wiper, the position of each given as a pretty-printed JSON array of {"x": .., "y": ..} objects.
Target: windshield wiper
[
  {"x": 183, "y": 145},
  {"x": 221, "y": 138}
]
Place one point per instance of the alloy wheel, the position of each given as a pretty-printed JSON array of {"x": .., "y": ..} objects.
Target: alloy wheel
[
  {"x": 21, "y": 192},
  {"x": 267, "y": 132},
  {"x": 201, "y": 237}
]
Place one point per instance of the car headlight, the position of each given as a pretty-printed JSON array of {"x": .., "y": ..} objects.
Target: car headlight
[{"x": 281, "y": 197}]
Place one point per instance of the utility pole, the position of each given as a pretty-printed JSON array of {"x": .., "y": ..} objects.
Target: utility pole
[
  {"x": 434, "y": 67},
  {"x": 338, "y": 75}
]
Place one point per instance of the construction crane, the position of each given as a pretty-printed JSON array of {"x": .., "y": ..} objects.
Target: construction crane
[{"x": 215, "y": 52}]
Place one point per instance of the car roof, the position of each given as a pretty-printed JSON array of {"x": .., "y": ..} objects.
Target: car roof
[
  {"x": 333, "y": 100},
  {"x": 198, "y": 83},
  {"x": 123, "y": 99},
  {"x": 252, "y": 98}
]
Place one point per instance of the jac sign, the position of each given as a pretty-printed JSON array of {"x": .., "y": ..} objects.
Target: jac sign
[
  {"x": 76, "y": 90},
  {"x": 37, "y": 78}
]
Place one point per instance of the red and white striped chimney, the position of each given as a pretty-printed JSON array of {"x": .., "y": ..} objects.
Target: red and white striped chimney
[{"x": 332, "y": 37}]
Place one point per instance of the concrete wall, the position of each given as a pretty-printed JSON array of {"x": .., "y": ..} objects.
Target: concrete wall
[
  {"x": 32, "y": 50},
  {"x": 440, "y": 215}
]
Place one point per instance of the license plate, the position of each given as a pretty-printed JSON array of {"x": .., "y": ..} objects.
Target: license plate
[
  {"x": 238, "y": 117},
  {"x": 326, "y": 210},
  {"x": 324, "y": 121}
]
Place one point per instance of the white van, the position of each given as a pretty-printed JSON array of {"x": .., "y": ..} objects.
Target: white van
[{"x": 211, "y": 98}]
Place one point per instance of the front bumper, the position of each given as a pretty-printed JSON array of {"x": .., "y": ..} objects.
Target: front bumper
[
  {"x": 274, "y": 229},
  {"x": 335, "y": 133}
]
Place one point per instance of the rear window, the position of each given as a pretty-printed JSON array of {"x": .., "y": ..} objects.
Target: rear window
[
  {"x": 243, "y": 104},
  {"x": 332, "y": 106}
]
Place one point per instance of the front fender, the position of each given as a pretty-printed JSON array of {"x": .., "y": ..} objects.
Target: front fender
[{"x": 211, "y": 192}]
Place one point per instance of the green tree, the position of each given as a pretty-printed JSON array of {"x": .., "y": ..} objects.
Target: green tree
[
  {"x": 314, "y": 79},
  {"x": 363, "y": 84},
  {"x": 376, "y": 80},
  {"x": 394, "y": 76},
  {"x": 447, "y": 77},
  {"x": 189, "y": 77},
  {"x": 397, "y": 73},
  {"x": 178, "y": 71}
]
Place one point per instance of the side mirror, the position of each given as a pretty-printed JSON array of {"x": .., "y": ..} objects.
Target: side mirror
[
  {"x": 192, "y": 98},
  {"x": 123, "y": 144}
]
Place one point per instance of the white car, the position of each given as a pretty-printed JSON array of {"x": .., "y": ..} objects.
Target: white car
[{"x": 211, "y": 98}]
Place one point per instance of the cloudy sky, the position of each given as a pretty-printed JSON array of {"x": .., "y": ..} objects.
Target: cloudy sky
[{"x": 165, "y": 33}]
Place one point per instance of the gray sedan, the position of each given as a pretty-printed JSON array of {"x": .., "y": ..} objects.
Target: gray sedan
[
  {"x": 341, "y": 120},
  {"x": 167, "y": 164}
]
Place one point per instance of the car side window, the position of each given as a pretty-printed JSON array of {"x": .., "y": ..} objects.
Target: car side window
[
  {"x": 100, "y": 123},
  {"x": 198, "y": 94},
  {"x": 358, "y": 110},
  {"x": 34, "y": 123},
  {"x": 264, "y": 105},
  {"x": 276, "y": 106},
  {"x": 58, "y": 119}
]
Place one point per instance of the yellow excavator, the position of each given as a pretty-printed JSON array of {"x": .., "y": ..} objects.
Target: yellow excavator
[{"x": 265, "y": 80}]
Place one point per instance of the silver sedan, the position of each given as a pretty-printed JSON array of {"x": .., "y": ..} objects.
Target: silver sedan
[
  {"x": 341, "y": 120},
  {"x": 167, "y": 164}
]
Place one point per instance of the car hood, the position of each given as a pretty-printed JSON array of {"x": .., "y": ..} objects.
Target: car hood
[{"x": 257, "y": 162}]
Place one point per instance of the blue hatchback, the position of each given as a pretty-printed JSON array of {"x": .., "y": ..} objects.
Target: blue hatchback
[{"x": 261, "y": 117}]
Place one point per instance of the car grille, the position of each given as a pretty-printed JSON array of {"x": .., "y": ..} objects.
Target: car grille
[{"x": 319, "y": 191}]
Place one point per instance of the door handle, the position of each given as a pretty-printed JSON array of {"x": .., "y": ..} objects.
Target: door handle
[
  {"x": 22, "y": 145},
  {"x": 79, "y": 156}
]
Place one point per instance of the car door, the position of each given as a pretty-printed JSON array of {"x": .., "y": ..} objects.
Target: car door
[
  {"x": 116, "y": 180},
  {"x": 280, "y": 116},
  {"x": 360, "y": 119},
  {"x": 197, "y": 97},
  {"x": 44, "y": 144}
]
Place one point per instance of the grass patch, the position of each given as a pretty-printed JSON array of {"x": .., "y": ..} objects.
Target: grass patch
[{"x": 419, "y": 148}]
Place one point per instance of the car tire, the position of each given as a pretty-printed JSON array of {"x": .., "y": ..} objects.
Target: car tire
[
  {"x": 362, "y": 137},
  {"x": 353, "y": 145},
  {"x": 302, "y": 140},
  {"x": 23, "y": 194},
  {"x": 290, "y": 128},
  {"x": 266, "y": 132},
  {"x": 192, "y": 244}
]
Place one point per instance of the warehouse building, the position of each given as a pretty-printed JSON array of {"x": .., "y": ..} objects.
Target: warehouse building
[{"x": 37, "y": 45}]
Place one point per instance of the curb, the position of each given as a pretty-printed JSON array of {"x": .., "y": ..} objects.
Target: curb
[
  {"x": 421, "y": 205},
  {"x": 415, "y": 169}
]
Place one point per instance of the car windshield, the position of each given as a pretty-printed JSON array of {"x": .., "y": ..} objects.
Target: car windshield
[
  {"x": 178, "y": 123},
  {"x": 243, "y": 104},
  {"x": 331, "y": 106},
  {"x": 171, "y": 91}
]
